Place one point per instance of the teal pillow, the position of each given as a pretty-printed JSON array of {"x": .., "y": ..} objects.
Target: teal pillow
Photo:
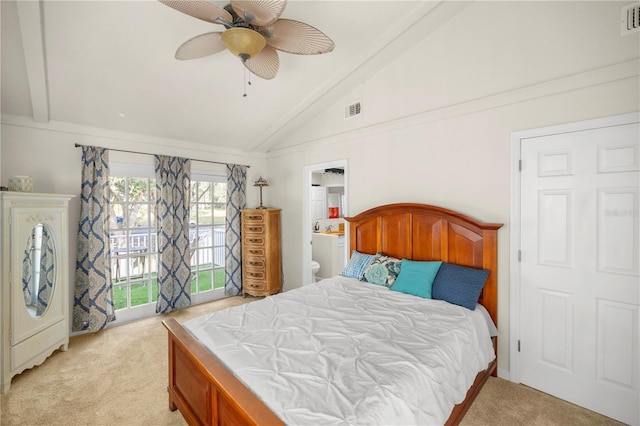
[{"x": 416, "y": 277}]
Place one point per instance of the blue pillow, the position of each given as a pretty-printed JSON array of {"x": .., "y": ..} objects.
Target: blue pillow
[
  {"x": 459, "y": 285},
  {"x": 416, "y": 277},
  {"x": 357, "y": 264}
]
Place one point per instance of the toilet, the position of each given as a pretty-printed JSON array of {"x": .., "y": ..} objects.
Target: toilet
[{"x": 315, "y": 267}]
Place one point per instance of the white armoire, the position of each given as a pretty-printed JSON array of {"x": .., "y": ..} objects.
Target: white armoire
[{"x": 34, "y": 295}]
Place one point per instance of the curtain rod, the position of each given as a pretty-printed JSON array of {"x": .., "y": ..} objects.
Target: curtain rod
[{"x": 77, "y": 145}]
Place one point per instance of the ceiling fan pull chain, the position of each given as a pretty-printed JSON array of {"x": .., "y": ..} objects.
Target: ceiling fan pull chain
[{"x": 245, "y": 82}]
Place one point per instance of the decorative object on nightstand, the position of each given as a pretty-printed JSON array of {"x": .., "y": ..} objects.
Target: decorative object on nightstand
[
  {"x": 260, "y": 183},
  {"x": 261, "y": 252}
]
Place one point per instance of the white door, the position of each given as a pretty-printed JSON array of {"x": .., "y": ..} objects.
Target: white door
[
  {"x": 318, "y": 202},
  {"x": 579, "y": 272}
]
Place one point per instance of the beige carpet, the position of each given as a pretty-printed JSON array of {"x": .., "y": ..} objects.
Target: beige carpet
[{"x": 119, "y": 377}]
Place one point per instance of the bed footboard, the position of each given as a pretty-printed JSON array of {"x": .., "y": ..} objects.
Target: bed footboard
[
  {"x": 202, "y": 388},
  {"x": 461, "y": 409},
  {"x": 207, "y": 393}
]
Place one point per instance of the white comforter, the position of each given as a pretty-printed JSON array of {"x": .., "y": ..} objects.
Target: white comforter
[{"x": 346, "y": 352}]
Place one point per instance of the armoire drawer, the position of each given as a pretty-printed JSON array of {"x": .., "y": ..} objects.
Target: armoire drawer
[{"x": 40, "y": 343}]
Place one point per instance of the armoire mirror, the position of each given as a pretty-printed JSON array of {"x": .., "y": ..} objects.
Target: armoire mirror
[{"x": 38, "y": 270}]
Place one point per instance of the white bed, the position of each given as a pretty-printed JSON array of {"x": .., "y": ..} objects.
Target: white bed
[
  {"x": 343, "y": 351},
  {"x": 288, "y": 360}
]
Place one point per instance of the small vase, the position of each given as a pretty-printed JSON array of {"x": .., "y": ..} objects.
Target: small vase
[{"x": 20, "y": 184}]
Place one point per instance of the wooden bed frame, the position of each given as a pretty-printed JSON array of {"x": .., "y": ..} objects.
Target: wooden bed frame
[{"x": 207, "y": 393}]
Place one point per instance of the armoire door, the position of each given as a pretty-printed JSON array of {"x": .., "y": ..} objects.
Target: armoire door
[{"x": 45, "y": 275}]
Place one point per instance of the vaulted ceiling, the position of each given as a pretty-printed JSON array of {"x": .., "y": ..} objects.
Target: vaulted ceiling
[{"x": 110, "y": 65}]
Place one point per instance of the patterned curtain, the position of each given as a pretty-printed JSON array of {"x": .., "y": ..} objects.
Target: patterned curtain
[
  {"x": 93, "y": 296},
  {"x": 42, "y": 257},
  {"x": 45, "y": 287},
  {"x": 172, "y": 224},
  {"x": 27, "y": 272},
  {"x": 236, "y": 191}
]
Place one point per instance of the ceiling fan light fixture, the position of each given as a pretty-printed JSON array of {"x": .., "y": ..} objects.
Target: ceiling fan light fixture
[{"x": 243, "y": 42}]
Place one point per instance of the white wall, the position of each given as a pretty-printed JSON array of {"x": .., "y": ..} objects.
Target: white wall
[
  {"x": 491, "y": 48},
  {"x": 436, "y": 124}
]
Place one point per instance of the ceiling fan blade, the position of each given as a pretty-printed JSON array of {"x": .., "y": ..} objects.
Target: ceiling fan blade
[
  {"x": 296, "y": 37},
  {"x": 200, "y": 46},
  {"x": 259, "y": 12},
  {"x": 265, "y": 64},
  {"x": 199, "y": 9}
]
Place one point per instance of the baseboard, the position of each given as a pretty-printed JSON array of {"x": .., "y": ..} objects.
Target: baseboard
[{"x": 503, "y": 374}]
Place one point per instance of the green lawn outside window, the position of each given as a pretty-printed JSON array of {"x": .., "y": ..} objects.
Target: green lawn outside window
[{"x": 139, "y": 291}]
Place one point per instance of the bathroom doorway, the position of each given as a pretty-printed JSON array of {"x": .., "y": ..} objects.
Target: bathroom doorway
[{"x": 335, "y": 186}]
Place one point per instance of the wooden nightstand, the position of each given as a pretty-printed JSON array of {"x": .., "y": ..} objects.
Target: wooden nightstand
[{"x": 261, "y": 252}]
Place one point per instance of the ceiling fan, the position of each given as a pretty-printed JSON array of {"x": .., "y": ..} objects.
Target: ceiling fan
[{"x": 254, "y": 32}]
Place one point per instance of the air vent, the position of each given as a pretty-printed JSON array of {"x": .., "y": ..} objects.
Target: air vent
[
  {"x": 352, "y": 110},
  {"x": 630, "y": 19}
]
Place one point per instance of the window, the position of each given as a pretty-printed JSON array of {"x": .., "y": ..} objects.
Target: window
[
  {"x": 133, "y": 239},
  {"x": 132, "y": 235},
  {"x": 207, "y": 233}
]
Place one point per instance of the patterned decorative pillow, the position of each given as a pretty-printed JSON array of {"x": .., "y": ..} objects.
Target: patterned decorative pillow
[
  {"x": 459, "y": 285},
  {"x": 357, "y": 264},
  {"x": 382, "y": 271}
]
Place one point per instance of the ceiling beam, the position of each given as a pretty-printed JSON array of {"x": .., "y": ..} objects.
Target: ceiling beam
[{"x": 32, "y": 32}]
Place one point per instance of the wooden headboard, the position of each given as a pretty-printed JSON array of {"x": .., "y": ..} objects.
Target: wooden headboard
[{"x": 424, "y": 232}]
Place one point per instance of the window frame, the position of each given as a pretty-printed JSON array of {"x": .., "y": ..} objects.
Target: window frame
[
  {"x": 214, "y": 293},
  {"x": 147, "y": 171}
]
